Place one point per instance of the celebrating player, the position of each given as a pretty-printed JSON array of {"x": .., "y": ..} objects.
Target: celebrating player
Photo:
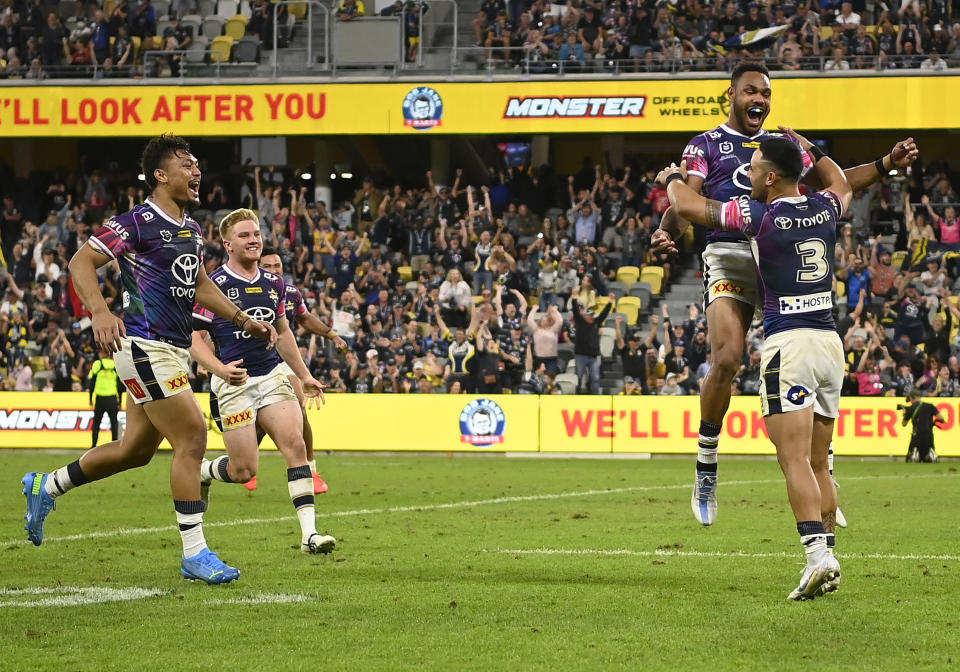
[
  {"x": 296, "y": 309},
  {"x": 259, "y": 392},
  {"x": 718, "y": 163},
  {"x": 802, "y": 369},
  {"x": 158, "y": 247}
]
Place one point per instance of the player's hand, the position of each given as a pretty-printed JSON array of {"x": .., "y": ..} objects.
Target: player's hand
[
  {"x": 339, "y": 343},
  {"x": 263, "y": 330},
  {"x": 904, "y": 153},
  {"x": 670, "y": 170},
  {"x": 233, "y": 373},
  {"x": 661, "y": 242},
  {"x": 313, "y": 389},
  {"x": 804, "y": 143},
  {"x": 108, "y": 329}
]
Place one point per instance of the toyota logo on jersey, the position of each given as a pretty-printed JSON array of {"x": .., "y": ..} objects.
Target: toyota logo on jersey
[
  {"x": 260, "y": 313},
  {"x": 185, "y": 268}
]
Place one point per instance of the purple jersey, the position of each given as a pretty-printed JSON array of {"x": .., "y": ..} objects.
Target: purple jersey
[
  {"x": 295, "y": 307},
  {"x": 722, "y": 158},
  {"x": 159, "y": 259},
  {"x": 793, "y": 242},
  {"x": 264, "y": 299}
]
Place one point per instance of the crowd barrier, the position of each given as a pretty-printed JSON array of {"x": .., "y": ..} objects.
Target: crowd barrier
[
  {"x": 620, "y": 105},
  {"x": 505, "y": 423}
]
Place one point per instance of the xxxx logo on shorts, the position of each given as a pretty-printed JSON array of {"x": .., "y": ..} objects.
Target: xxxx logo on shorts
[
  {"x": 727, "y": 288},
  {"x": 175, "y": 384},
  {"x": 238, "y": 418}
]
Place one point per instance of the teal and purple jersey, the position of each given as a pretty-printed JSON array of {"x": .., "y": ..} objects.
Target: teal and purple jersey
[
  {"x": 262, "y": 298},
  {"x": 721, "y": 157},
  {"x": 793, "y": 241},
  {"x": 160, "y": 259}
]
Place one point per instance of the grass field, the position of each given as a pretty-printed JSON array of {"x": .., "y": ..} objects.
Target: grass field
[{"x": 480, "y": 564}]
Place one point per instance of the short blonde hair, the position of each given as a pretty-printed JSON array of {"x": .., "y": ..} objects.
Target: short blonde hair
[{"x": 241, "y": 215}]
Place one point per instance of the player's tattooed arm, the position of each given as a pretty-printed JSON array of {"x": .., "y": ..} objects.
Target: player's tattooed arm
[{"x": 712, "y": 213}]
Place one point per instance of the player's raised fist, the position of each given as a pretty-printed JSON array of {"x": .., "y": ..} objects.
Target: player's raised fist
[{"x": 904, "y": 153}]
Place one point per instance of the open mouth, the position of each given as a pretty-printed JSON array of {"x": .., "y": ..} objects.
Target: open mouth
[
  {"x": 755, "y": 114},
  {"x": 194, "y": 187}
]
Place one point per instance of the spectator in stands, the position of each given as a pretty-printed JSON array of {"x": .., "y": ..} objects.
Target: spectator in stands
[
  {"x": 587, "y": 343},
  {"x": 143, "y": 20},
  {"x": 544, "y": 329},
  {"x": 53, "y": 40},
  {"x": 367, "y": 201},
  {"x": 122, "y": 50},
  {"x": 455, "y": 300},
  {"x": 348, "y": 10},
  {"x": 857, "y": 277},
  {"x": 882, "y": 273},
  {"x": 933, "y": 62},
  {"x": 838, "y": 62},
  {"x": 672, "y": 386},
  {"x": 632, "y": 354},
  {"x": 499, "y": 35},
  {"x": 631, "y": 386},
  {"x": 570, "y": 54},
  {"x": 489, "y": 11}
]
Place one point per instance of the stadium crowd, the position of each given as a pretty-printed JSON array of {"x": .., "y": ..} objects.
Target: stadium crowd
[
  {"x": 528, "y": 283},
  {"x": 112, "y": 38}
]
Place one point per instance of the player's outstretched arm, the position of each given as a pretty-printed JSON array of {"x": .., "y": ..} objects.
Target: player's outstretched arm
[
  {"x": 288, "y": 350},
  {"x": 108, "y": 329},
  {"x": 210, "y": 297},
  {"x": 672, "y": 225},
  {"x": 689, "y": 204},
  {"x": 201, "y": 351}
]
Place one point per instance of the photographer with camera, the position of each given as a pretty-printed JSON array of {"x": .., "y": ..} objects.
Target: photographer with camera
[{"x": 923, "y": 415}]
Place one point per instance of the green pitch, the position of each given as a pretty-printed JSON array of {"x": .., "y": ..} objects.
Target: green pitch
[{"x": 484, "y": 564}]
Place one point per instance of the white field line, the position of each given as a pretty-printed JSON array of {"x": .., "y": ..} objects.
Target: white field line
[
  {"x": 74, "y": 597},
  {"x": 674, "y": 553},
  {"x": 263, "y": 598},
  {"x": 126, "y": 532}
]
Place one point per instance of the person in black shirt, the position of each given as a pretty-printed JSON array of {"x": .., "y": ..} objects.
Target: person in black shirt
[
  {"x": 632, "y": 354},
  {"x": 586, "y": 346},
  {"x": 922, "y": 415}
]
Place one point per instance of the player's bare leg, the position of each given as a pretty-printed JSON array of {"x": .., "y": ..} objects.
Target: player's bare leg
[
  {"x": 728, "y": 321},
  {"x": 841, "y": 519},
  {"x": 793, "y": 434},
  {"x": 319, "y": 485},
  {"x": 820, "y": 459},
  {"x": 282, "y": 422}
]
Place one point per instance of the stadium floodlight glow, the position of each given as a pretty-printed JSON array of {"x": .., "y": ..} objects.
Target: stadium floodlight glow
[
  {"x": 306, "y": 176},
  {"x": 141, "y": 177},
  {"x": 333, "y": 176},
  {"x": 346, "y": 176}
]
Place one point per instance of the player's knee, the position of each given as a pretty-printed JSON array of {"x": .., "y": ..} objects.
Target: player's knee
[
  {"x": 726, "y": 362},
  {"x": 140, "y": 456},
  {"x": 295, "y": 446},
  {"x": 242, "y": 472}
]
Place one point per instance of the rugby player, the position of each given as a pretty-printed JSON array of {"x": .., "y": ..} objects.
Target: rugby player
[
  {"x": 718, "y": 165},
  {"x": 261, "y": 394},
  {"x": 296, "y": 309},
  {"x": 158, "y": 247},
  {"x": 792, "y": 239}
]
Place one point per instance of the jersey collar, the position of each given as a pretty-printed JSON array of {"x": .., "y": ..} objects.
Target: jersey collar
[
  {"x": 239, "y": 277},
  {"x": 789, "y": 199},
  {"x": 157, "y": 209},
  {"x": 727, "y": 129}
]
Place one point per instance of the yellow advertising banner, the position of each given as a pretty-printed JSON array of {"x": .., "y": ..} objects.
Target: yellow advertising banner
[
  {"x": 505, "y": 423},
  {"x": 615, "y": 105}
]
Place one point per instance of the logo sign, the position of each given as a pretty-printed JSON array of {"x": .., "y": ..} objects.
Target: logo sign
[
  {"x": 482, "y": 423},
  {"x": 540, "y": 107},
  {"x": 783, "y": 222},
  {"x": 726, "y": 147},
  {"x": 741, "y": 177},
  {"x": 233, "y": 293},
  {"x": 177, "y": 383},
  {"x": 725, "y": 287},
  {"x": 274, "y": 295},
  {"x": 166, "y": 235},
  {"x": 185, "y": 268},
  {"x": 147, "y": 216},
  {"x": 260, "y": 313},
  {"x": 134, "y": 388},
  {"x": 797, "y": 394},
  {"x": 422, "y": 109},
  {"x": 238, "y": 418}
]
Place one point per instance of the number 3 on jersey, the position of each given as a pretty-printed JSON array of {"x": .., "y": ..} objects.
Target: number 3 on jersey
[{"x": 813, "y": 256}]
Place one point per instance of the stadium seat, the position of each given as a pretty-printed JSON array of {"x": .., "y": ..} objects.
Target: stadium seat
[
  {"x": 161, "y": 8},
  {"x": 245, "y": 9},
  {"x": 629, "y": 306},
  {"x": 628, "y": 275},
  {"x": 247, "y": 50},
  {"x": 207, "y": 7},
  {"x": 641, "y": 290},
  {"x": 405, "y": 273},
  {"x": 213, "y": 26},
  {"x": 226, "y": 7},
  {"x": 299, "y": 10},
  {"x": 601, "y": 302},
  {"x": 608, "y": 341},
  {"x": 236, "y": 27},
  {"x": 136, "y": 48},
  {"x": 162, "y": 24},
  {"x": 612, "y": 318},
  {"x": 412, "y": 286},
  {"x": 617, "y": 288},
  {"x": 567, "y": 382},
  {"x": 654, "y": 276},
  {"x": 193, "y": 21},
  {"x": 197, "y": 53},
  {"x": 841, "y": 289}
]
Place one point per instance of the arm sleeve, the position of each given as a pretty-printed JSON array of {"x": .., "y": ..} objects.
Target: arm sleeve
[
  {"x": 116, "y": 237},
  {"x": 742, "y": 216},
  {"x": 695, "y": 154}
]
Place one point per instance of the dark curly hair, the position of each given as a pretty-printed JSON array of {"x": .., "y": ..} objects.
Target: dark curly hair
[{"x": 158, "y": 150}]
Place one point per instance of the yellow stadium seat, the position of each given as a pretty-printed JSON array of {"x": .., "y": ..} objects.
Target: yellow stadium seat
[
  {"x": 629, "y": 306},
  {"x": 236, "y": 26},
  {"x": 220, "y": 49},
  {"x": 628, "y": 275},
  {"x": 601, "y": 302},
  {"x": 136, "y": 48},
  {"x": 298, "y": 9},
  {"x": 653, "y": 275},
  {"x": 896, "y": 259},
  {"x": 841, "y": 289},
  {"x": 405, "y": 272}
]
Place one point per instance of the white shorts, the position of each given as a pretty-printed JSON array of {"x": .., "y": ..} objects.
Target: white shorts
[
  {"x": 152, "y": 370},
  {"x": 239, "y": 403},
  {"x": 730, "y": 271},
  {"x": 800, "y": 368},
  {"x": 287, "y": 371}
]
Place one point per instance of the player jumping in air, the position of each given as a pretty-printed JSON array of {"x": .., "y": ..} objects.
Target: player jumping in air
[
  {"x": 296, "y": 310},
  {"x": 259, "y": 392},
  {"x": 792, "y": 238},
  {"x": 718, "y": 164},
  {"x": 158, "y": 247}
]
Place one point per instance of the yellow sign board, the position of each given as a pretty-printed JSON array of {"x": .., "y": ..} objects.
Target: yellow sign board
[
  {"x": 615, "y": 105},
  {"x": 512, "y": 423}
]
